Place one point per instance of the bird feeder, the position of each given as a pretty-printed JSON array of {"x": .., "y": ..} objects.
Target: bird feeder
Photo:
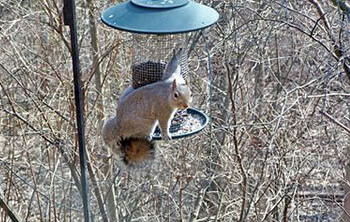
[{"x": 158, "y": 28}]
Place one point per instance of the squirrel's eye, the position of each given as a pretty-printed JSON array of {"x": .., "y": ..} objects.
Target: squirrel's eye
[{"x": 176, "y": 95}]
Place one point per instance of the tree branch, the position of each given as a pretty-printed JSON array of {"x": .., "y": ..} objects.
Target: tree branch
[
  {"x": 335, "y": 121},
  {"x": 8, "y": 210}
]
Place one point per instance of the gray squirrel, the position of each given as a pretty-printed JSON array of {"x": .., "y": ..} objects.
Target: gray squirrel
[{"x": 129, "y": 134}]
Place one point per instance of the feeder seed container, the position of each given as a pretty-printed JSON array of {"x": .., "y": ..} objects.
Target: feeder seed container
[{"x": 158, "y": 27}]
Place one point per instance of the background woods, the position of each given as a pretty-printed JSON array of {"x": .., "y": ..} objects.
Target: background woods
[{"x": 277, "y": 148}]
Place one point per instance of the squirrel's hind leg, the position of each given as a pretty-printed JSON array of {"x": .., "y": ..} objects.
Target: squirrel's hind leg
[{"x": 108, "y": 131}]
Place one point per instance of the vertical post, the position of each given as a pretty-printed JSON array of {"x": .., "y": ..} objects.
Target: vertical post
[{"x": 70, "y": 20}]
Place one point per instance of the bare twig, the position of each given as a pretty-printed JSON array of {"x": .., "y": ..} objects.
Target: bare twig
[
  {"x": 338, "y": 49},
  {"x": 96, "y": 189},
  {"x": 321, "y": 13},
  {"x": 343, "y": 5},
  {"x": 55, "y": 143},
  {"x": 347, "y": 129},
  {"x": 8, "y": 210}
]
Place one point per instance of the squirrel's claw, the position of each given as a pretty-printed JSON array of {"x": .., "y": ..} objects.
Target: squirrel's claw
[
  {"x": 166, "y": 138},
  {"x": 149, "y": 138}
]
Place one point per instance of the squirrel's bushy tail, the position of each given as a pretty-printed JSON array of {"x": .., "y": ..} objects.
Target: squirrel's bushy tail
[
  {"x": 136, "y": 151},
  {"x": 132, "y": 151}
]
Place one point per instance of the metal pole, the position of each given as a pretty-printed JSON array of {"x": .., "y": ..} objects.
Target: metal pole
[{"x": 70, "y": 19}]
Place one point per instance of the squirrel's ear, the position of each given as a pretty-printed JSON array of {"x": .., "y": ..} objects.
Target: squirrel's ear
[
  {"x": 177, "y": 71},
  {"x": 173, "y": 85}
]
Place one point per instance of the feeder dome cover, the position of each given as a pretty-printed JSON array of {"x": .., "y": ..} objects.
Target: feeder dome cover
[{"x": 159, "y": 16}]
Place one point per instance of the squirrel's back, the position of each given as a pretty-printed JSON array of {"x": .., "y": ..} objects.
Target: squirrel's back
[{"x": 140, "y": 110}]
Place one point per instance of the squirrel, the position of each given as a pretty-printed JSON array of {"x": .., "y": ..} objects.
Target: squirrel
[{"x": 129, "y": 134}]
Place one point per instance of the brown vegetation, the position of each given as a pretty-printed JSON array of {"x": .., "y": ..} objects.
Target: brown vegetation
[{"x": 277, "y": 148}]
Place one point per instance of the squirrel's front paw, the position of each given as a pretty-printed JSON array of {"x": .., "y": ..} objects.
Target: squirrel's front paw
[{"x": 166, "y": 137}]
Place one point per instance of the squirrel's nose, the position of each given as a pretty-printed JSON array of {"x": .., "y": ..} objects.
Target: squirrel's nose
[{"x": 185, "y": 106}]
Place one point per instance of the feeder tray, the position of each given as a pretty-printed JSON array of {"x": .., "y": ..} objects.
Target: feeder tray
[{"x": 185, "y": 123}]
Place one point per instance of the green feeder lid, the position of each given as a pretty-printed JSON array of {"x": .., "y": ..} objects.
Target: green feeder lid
[
  {"x": 159, "y": 16},
  {"x": 160, "y": 3}
]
